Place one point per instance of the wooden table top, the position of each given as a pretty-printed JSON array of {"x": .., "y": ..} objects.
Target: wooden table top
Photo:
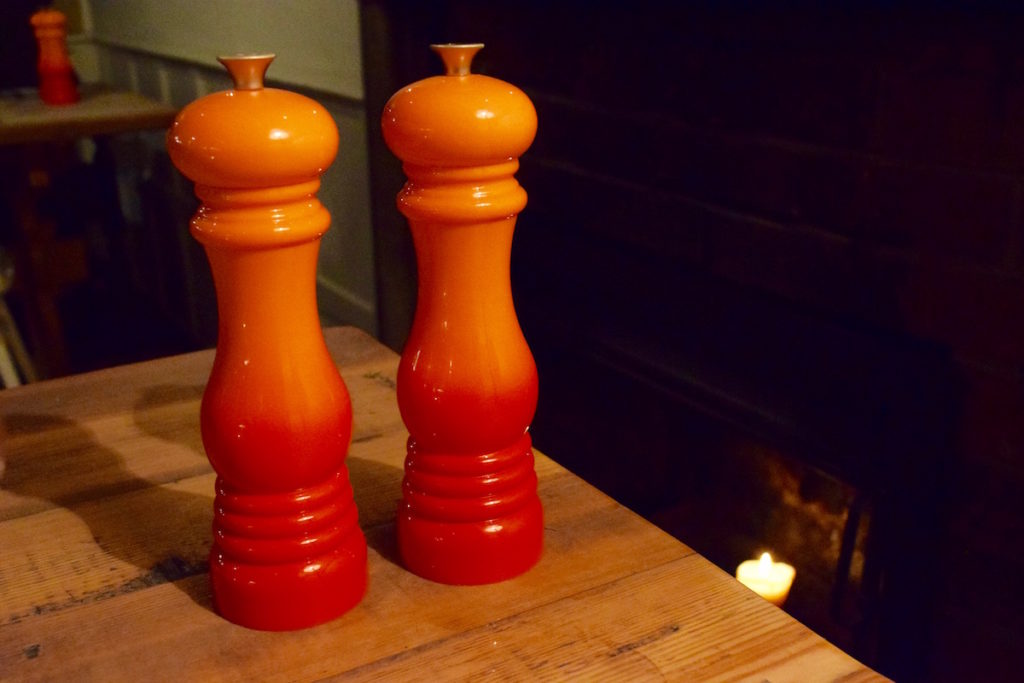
[
  {"x": 105, "y": 512},
  {"x": 100, "y": 111}
]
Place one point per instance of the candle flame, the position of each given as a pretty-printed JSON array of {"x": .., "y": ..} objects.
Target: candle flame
[{"x": 769, "y": 579}]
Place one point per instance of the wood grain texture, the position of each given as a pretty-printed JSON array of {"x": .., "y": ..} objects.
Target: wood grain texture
[{"x": 105, "y": 516}]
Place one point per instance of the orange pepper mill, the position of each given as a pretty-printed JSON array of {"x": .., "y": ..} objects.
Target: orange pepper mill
[
  {"x": 276, "y": 417},
  {"x": 56, "y": 75},
  {"x": 467, "y": 382}
]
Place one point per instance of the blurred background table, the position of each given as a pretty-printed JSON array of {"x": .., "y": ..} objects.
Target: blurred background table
[
  {"x": 100, "y": 111},
  {"x": 105, "y": 511},
  {"x": 37, "y": 143}
]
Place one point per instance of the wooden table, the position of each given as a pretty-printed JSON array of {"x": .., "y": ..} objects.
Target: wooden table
[
  {"x": 105, "y": 513},
  {"x": 37, "y": 139}
]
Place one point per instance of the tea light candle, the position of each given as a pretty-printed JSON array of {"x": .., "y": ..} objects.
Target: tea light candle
[{"x": 771, "y": 580}]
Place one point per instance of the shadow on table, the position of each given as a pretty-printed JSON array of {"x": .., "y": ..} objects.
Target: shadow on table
[
  {"x": 155, "y": 423},
  {"x": 371, "y": 482},
  {"x": 161, "y": 531}
]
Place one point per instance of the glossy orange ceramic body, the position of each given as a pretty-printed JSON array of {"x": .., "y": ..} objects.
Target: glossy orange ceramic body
[
  {"x": 276, "y": 418},
  {"x": 467, "y": 383},
  {"x": 56, "y": 75}
]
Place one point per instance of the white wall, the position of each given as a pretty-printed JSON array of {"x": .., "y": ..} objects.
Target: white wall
[
  {"x": 317, "y": 41},
  {"x": 167, "y": 49}
]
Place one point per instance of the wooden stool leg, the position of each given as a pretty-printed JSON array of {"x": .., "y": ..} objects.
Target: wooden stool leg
[
  {"x": 8, "y": 375},
  {"x": 11, "y": 343},
  {"x": 48, "y": 263}
]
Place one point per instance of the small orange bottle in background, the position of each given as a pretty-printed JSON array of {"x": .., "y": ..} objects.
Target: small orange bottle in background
[{"x": 56, "y": 75}]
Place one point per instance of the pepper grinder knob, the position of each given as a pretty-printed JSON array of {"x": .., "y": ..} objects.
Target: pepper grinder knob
[
  {"x": 457, "y": 57},
  {"x": 247, "y": 71}
]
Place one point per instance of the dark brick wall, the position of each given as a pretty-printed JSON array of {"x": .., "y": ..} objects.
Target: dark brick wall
[{"x": 795, "y": 223}]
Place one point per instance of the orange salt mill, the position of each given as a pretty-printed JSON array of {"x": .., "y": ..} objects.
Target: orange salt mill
[
  {"x": 56, "y": 76},
  {"x": 467, "y": 383},
  {"x": 276, "y": 418}
]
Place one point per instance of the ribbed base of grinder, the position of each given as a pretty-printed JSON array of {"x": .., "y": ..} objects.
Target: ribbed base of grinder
[
  {"x": 287, "y": 561},
  {"x": 291, "y": 596},
  {"x": 470, "y": 519}
]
